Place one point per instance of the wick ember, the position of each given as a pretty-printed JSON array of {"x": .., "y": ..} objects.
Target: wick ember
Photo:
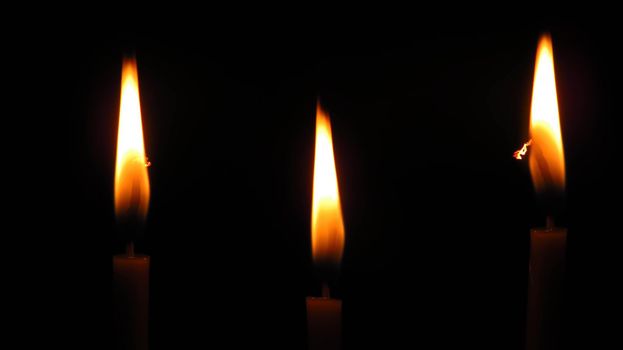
[{"x": 522, "y": 152}]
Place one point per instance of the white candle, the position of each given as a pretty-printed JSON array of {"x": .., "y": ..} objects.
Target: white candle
[{"x": 545, "y": 291}]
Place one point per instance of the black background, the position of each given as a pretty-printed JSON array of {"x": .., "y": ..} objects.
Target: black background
[{"x": 425, "y": 120}]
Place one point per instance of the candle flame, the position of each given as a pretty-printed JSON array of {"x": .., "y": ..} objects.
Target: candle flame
[
  {"x": 522, "y": 152},
  {"x": 327, "y": 223},
  {"x": 547, "y": 161},
  {"x": 131, "y": 179}
]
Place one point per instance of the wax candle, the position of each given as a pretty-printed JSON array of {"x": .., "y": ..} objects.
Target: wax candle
[
  {"x": 324, "y": 315},
  {"x": 547, "y": 265},
  {"x": 131, "y": 298},
  {"x": 547, "y": 245},
  {"x": 130, "y": 270},
  {"x": 324, "y": 322}
]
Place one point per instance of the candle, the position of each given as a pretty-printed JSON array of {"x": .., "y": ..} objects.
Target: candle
[
  {"x": 324, "y": 314},
  {"x": 324, "y": 322},
  {"x": 130, "y": 270},
  {"x": 547, "y": 263},
  {"x": 547, "y": 245},
  {"x": 131, "y": 291}
]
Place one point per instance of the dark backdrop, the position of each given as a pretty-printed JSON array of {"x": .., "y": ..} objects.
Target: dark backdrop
[{"x": 425, "y": 120}]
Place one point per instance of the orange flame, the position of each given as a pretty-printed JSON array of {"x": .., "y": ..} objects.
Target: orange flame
[
  {"x": 131, "y": 179},
  {"x": 547, "y": 161},
  {"x": 327, "y": 223},
  {"x": 522, "y": 152}
]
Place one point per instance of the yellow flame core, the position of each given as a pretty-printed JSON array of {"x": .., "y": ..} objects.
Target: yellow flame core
[
  {"x": 131, "y": 179},
  {"x": 547, "y": 161},
  {"x": 327, "y": 222}
]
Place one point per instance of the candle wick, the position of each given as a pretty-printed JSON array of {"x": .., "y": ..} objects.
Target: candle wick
[
  {"x": 549, "y": 222},
  {"x": 130, "y": 249},
  {"x": 326, "y": 292}
]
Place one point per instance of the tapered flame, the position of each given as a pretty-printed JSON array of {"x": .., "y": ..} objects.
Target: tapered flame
[
  {"x": 327, "y": 222},
  {"x": 131, "y": 179},
  {"x": 547, "y": 161}
]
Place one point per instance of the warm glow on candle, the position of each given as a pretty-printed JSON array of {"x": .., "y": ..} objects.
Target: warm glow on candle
[
  {"x": 327, "y": 223},
  {"x": 547, "y": 161},
  {"x": 131, "y": 180}
]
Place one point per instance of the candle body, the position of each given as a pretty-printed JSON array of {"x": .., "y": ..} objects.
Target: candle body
[
  {"x": 131, "y": 301},
  {"x": 324, "y": 323},
  {"x": 545, "y": 291}
]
